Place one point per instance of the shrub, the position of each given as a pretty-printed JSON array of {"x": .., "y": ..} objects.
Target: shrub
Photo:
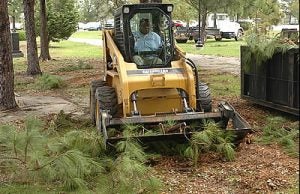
[
  {"x": 47, "y": 81},
  {"x": 79, "y": 66},
  {"x": 246, "y": 25},
  {"x": 22, "y": 35}
]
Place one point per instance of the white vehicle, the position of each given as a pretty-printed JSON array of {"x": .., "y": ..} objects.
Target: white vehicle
[
  {"x": 80, "y": 26},
  {"x": 109, "y": 24},
  {"x": 91, "y": 26},
  {"x": 18, "y": 26},
  {"x": 228, "y": 29}
]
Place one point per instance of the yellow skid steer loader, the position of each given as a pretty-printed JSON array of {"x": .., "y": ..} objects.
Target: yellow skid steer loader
[{"x": 162, "y": 85}]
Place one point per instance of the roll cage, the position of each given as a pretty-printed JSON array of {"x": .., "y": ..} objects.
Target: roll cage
[{"x": 127, "y": 23}]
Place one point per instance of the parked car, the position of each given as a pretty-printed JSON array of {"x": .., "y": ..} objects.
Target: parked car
[
  {"x": 178, "y": 23},
  {"x": 80, "y": 26},
  {"x": 109, "y": 24},
  {"x": 92, "y": 26}
]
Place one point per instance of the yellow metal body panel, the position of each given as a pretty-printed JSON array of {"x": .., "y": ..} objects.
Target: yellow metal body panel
[{"x": 157, "y": 87}]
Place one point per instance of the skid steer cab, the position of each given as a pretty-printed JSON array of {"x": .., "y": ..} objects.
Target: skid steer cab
[{"x": 148, "y": 81}]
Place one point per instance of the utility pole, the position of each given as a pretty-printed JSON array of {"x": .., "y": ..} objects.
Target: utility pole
[{"x": 199, "y": 42}]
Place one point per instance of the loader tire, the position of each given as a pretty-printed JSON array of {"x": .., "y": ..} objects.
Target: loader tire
[
  {"x": 239, "y": 35},
  {"x": 106, "y": 98},
  {"x": 205, "y": 97},
  {"x": 93, "y": 86}
]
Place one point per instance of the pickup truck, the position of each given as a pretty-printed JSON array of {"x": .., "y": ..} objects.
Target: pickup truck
[
  {"x": 223, "y": 27},
  {"x": 228, "y": 29},
  {"x": 209, "y": 32},
  {"x": 183, "y": 34}
]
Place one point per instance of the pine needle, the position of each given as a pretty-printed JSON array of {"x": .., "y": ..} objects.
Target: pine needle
[
  {"x": 275, "y": 132},
  {"x": 212, "y": 138},
  {"x": 263, "y": 47}
]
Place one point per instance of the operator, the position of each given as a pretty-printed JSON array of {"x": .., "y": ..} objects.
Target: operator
[{"x": 147, "y": 43}]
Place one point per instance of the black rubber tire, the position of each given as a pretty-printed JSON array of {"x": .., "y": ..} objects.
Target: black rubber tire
[
  {"x": 205, "y": 97},
  {"x": 218, "y": 39},
  {"x": 93, "y": 86},
  {"x": 181, "y": 41},
  {"x": 107, "y": 99},
  {"x": 239, "y": 35}
]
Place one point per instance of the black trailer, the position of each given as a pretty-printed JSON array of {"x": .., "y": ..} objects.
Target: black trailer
[{"x": 274, "y": 83}]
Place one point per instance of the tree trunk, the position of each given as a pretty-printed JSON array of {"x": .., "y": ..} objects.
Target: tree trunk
[
  {"x": 215, "y": 20},
  {"x": 7, "y": 96},
  {"x": 45, "y": 55},
  {"x": 290, "y": 18},
  {"x": 33, "y": 67},
  {"x": 203, "y": 27},
  {"x": 14, "y": 22}
]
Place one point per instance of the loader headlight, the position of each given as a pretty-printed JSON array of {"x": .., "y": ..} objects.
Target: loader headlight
[
  {"x": 126, "y": 10},
  {"x": 170, "y": 8}
]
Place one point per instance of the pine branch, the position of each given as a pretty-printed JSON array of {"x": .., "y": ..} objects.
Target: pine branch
[
  {"x": 15, "y": 158},
  {"x": 14, "y": 145},
  {"x": 26, "y": 147},
  {"x": 50, "y": 162}
]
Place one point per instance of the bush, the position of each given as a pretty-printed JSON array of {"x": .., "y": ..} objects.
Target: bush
[
  {"x": 47, "y": 81},
  {"x": 79, "y": 66},
  {"x": 246, "y": 25},
  {"x": 22, "y": 35}
]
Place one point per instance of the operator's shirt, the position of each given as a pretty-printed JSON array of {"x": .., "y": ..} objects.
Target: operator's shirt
[{"x": 148, "y": 42}]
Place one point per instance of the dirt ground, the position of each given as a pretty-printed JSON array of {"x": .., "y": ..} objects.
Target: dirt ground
[{"x": 257, "y": 168}]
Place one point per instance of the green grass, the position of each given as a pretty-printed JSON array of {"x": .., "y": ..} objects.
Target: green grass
[
  {"x": 88, "y": 34},
  {"x": 226, "y": 48},
  {"x": 223, "y": 84},
  {"x": 68, "y": 49},
  {"x": 20, "y": 64}
]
